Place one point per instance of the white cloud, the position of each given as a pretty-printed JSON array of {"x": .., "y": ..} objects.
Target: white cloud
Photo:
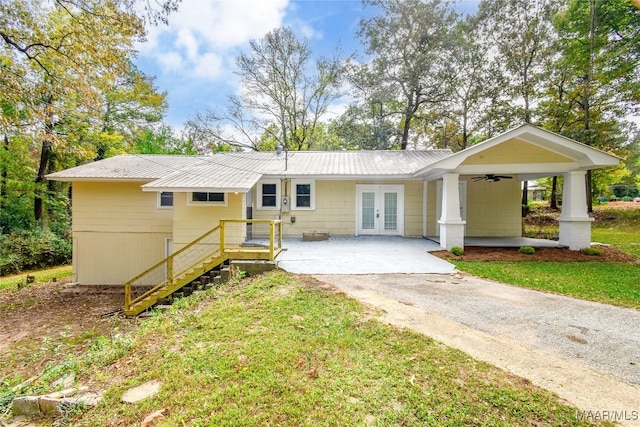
[
  {"x": 186, "y": 41},
  {"x": 209, "y": 66},
  {"x": 203, "y": 32},
  {"x": 170, "y": 61}
]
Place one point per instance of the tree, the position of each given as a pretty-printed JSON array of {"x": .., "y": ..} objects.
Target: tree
[
  {"x": 279, "y": 97},
  {"x": 408, "y": 44},
  {"x": 520, "y": 32},
  {"x": 596, "y": 85},
  {"x": 471, "y": 89},
  {"x": 58, "y": 59}
]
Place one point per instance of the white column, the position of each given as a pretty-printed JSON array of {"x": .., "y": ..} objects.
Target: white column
[
  {"x": 451, "y": 224},
  {"x": 575, "y": 223}
]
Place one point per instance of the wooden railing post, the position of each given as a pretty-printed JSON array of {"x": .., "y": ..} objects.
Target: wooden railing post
[
  {"x": 170, "y": 270},
  {"x": 280, "y": 235},
  {"x": 272, "y": 231},
  {"x": 222, "y": 225},
  {"x": 127, "y": 296}
]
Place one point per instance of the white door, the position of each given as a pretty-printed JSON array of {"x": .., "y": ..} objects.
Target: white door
[
  {"x": 380, "y": 210},
  {"x": 462, "y": 188}
]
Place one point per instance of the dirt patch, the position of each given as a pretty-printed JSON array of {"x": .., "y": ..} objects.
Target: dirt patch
[
  {"x": 475, "y": 253},
  {"x": 44, "y": 323}
]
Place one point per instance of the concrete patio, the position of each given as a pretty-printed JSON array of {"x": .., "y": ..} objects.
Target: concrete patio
[
  {"x": 362, "y": 255},
  {"x": 383, "y": 255}
]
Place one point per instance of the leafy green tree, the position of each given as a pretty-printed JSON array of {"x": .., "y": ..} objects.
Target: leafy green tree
[
  {"x": 59, "y": 58},
  {"x": 408, "y": 42},
  {"x": 594, "y": 86},
  {"x": 280, "y": 97}
]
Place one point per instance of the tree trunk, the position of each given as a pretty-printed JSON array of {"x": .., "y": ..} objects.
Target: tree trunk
[
  {"x": 3, "y": 184},
  {"x": 554, "y": 193},
  {"x": 45, "y": 155},
  {"x": 405, "y": 132},
  {"x": 525, "y": 194}
]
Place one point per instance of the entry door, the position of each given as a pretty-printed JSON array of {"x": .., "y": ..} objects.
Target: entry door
[{"x": 380, "y": 210}]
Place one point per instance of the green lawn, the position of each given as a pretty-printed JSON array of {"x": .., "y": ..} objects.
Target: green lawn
[
  {"x": 42, "y": 276},
  {"x": 611, "y": 283},
  {"x": 278, "y": 350}
]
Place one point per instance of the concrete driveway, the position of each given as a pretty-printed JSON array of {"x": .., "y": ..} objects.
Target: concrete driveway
[{"x": 362, "y": 255}]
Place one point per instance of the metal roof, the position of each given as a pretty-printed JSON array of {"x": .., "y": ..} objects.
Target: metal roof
[
  {"x": 127, "y": 167},
  {"x": 239, "y": 171},
  {"x": 206, "y": 177}
]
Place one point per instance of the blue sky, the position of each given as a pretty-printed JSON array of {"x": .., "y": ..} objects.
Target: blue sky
[{"x": 193, "y": 57}]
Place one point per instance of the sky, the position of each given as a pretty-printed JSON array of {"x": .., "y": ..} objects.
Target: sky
[{"x": 193, "y": 57}]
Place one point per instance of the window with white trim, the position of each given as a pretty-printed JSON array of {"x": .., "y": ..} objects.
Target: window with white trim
[
  {"x": 303, "y": 194},
  {"x": 201, "y": 198},
  {"x": 165, "y": 199},
  {"x": 269, "y": 195}
]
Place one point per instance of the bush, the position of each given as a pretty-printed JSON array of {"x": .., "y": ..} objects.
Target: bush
[
  {"x": 457, "y": 251},
  {"x": 527, "y": 250},
  {"x": 627, "y": 199},
  {"x": 592, "y": 251},
  {"x": 33, "y": 249}
]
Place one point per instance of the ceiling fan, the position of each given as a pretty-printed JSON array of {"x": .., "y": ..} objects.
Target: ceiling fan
[{"x": 491, "y": 177}]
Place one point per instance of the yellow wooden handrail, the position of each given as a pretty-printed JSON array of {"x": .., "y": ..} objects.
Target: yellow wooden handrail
[{"x": 172, "y": 276}]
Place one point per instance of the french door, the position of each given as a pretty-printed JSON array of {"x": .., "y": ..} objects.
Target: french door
[{"x": 380, "y": 210}]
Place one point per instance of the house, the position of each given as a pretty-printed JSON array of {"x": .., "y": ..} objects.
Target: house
[
  {"x": 535, "y": 191},
  {"x": 131, "y": 211}
]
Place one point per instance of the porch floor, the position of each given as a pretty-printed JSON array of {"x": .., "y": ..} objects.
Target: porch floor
[
  {"x": 505, "y": 242},
  {"x": 362, "y": 255}
]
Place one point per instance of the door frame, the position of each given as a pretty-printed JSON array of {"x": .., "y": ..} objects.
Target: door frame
[{"x": 380, "y": 189}]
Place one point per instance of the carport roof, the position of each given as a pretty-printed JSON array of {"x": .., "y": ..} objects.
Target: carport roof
[{"x": 578, "y": 156}]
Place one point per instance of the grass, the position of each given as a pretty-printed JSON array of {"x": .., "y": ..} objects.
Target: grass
[
  {"x": 278, "y": 350},
  {"x": 42, "y": 276},
  {"x": 611, "y": 283}
]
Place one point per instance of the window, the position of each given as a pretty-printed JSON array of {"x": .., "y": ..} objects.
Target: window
[
  {"x": 303, "y": 194},
  {"x": 269, "y": 195},
  {"x": 165, "y": 199},
  {"x": 208, "y": 198}
]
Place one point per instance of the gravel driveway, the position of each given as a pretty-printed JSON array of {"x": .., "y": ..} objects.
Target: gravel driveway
[{"x": 588, "y": 353}]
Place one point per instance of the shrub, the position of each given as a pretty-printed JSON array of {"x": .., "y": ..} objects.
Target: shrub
[
  {"x": 627, "y": 199},
  {"x": 592, "y": 251},
  {"x": 457, "y": 251},
  {"x": 33, "y": 249},
  {"x": 527, "y": 250}
]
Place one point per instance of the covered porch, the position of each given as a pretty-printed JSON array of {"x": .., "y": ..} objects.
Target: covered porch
[{"x": 473, "y": 198}]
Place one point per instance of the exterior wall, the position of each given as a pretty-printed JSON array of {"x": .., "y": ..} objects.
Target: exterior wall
[
  {"x": 494, "y": 208},
  {"x": 192, "y": 221},
  {"x": 118, "y": 231},
  {"x": 335, "y": 209},
  {"x": 103, "y": 258},
  {"x": 516, "y": 151}
]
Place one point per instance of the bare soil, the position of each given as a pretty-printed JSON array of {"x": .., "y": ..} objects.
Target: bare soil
[{"x": 43, "y": 323}]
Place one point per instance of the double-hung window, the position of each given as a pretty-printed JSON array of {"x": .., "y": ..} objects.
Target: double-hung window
[
  {"x": 165, "y": 199},
  {"x": 269, "y": 195},
  {"x": 303, "y": 194}
]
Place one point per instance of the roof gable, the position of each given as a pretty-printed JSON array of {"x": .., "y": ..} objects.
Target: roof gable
[{"x": 526, "y": 149}]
